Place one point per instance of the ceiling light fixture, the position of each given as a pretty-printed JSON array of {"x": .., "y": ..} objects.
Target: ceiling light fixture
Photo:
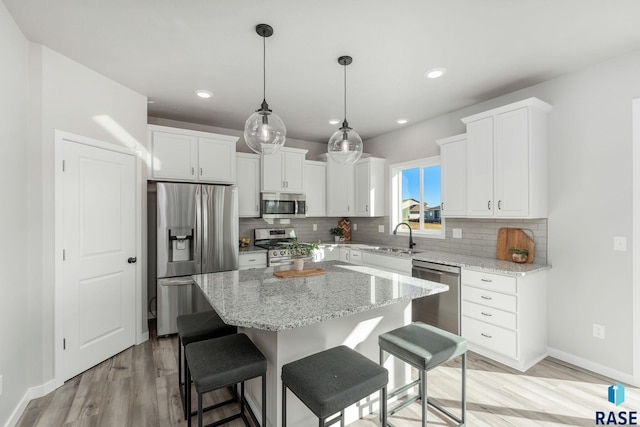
[
  {"x": 264, "y": 131},
  {"x": 434, "y": 73},
  {"x": 334, "y": 121},
  {"x": 345, "y": 145},
  {"x": 204, "y": 93},
  {"x": 401, "y": 121}
]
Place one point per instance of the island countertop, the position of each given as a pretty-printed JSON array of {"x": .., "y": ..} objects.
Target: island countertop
[{"x": 257, "y": 299}]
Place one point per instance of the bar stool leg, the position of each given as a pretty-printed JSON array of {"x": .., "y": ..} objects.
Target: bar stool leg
[
  {"x": 199, "y": 410},
  {"x": 464, "y": 388},
  {"x": 180, "y": 383},
  {"x": 383, "y": 408},
  {"x": 284, "y": 405},
  {"x": 264, "y": 400},
  {"x": 342, "y": 418},
  {"x": 423, "y": 396},
  {"x": 187, "y": 393}
]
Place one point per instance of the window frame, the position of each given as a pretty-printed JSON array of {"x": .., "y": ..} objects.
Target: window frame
[{"x": 395, "y": 184}]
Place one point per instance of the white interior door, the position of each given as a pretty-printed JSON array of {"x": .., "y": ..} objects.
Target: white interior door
[{"x": 98, "y": 239}]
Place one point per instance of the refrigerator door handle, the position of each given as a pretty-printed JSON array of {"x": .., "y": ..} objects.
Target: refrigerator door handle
[
  {"x": 198, "y": 231},
  {"x": 206, "y": 268}
]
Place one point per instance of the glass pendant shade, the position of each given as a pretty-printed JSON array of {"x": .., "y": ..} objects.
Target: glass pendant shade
[
  {"x": 345, "y": 145},
  {"x": 264, "y": 132}
]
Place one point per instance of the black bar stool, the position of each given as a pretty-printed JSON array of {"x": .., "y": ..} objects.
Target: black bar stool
[
  {"x": 330, "y": 381},
  {"x": 424, "y": 347},
  {"x": 223, "y": 362},
  {"x": 193, "y": 328}
]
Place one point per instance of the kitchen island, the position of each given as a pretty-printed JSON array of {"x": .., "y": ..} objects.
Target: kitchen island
[{"x": 292, "y": 318}]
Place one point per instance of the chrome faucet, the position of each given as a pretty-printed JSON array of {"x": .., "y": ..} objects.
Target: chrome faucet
[{"x": 395, "y": 231}]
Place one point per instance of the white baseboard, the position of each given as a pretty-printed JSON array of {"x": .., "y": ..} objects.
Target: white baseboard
[
  {"x": 32, "y": 393},
  {"x": 614, "y": 374},
  {"x": 143, "y": 337}
]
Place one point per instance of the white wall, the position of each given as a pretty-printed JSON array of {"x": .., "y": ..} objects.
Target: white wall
[
  {"x": 68, "y": 96},
  {"x": 590, "y": 201},
  {"x": 14, "y": 346}
]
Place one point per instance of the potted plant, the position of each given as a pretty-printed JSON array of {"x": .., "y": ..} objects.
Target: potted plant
[
  {"x": 300, "y": 252},
  {"x": 519, "y": 255},
  {"x": 336, "y": 232}
]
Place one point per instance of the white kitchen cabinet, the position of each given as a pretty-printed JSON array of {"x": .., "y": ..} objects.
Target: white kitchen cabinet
[
  {"x": 369, "y": 187},
  {"x": 504, "y": 317},
  {"x": 394, "y": 264},
  {"x": 248, "y": 171},
  {"x": 355, "y": 190},
  {"x": 187, "y": 155},
  {"x": 507, "y": 161},
  {"x": 283, "y": 171},
  {"x": 453, "y": 171},
  {"x": 352, "y": 256},
  {"x": 315, "y": 188},
  {"x": 252, "y": 260}
]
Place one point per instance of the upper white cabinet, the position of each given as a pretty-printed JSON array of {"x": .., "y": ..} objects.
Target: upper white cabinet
[
  {"x": 248, "y": 167},
  {"x": 507, "y": 161},
  {"x": 283, "y": 171},
  {"x": 315, "y": 187},
  {"x": 453, "y": 170},
  {"x": 186, "y": 155},
  {"x": 355, "y": 190},
  {"x": 369, "y": 187}
]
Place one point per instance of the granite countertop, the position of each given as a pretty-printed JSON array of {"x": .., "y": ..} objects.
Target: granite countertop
[
  {"x": 257, "y": 299},
  {"x": 251, "y": 249},
  {"x": 489, "y": 265}
]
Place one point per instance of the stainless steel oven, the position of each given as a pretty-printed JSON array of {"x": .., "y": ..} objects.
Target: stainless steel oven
[
  {"x": 283, "y": 205},
  {"x": 278, "y": 243}
]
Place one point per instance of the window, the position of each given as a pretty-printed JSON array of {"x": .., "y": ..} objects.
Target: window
[{"x": 415, "y": 192}]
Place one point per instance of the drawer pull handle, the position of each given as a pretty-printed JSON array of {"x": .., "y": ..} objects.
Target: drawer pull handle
[
  {"x": 486, "y": 314},
  {"x": 485, "y": 335},
  {"x": 487, "y": 280},
  {"x": 485, "y": 297},
  {"x": 252, "y": 260}
]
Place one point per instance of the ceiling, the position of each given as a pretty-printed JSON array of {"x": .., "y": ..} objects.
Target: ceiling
[{"x": 166, "y": 49}]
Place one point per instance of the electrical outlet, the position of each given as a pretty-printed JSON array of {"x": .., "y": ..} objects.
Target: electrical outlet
[
  {"x": 457, "y": 233},
  {"x": 381, "y": 229},
  {"x": 598, "y": 331},
  {"x": 355, "y": 227},
  {"x": 315, "y": 227},
  {"x": 620, "y": 243}
]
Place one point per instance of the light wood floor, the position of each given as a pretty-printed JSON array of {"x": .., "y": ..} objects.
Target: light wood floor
[{"x": 138, "y": 387}]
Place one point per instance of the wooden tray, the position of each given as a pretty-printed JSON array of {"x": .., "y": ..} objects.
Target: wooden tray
[
  {"x": 513, "y": 238},
  {"x": 286, "y": 274}
]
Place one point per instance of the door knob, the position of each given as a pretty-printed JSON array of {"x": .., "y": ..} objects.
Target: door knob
[{"x": 132, "y": 260}]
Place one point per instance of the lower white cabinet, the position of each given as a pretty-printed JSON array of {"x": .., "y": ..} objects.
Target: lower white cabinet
[
  {"x": 505, "y": 317},
  {"x": 390, "y": 263},
  {"x": 252, "y": 260}
]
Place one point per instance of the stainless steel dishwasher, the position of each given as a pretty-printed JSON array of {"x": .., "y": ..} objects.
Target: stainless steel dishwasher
[{"x": 443, "y": 309}]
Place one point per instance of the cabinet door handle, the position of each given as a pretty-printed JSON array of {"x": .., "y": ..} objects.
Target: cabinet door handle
[
  {"x": 489, "y": 205},
  {"x": 486, "y": 314},
  {"x": 487, "y": 280},
  {"x": 499, "y": 204},
  {"x": 442, "y": 206},
  {"x": 193, "y": 171},
  {"x": 486, "y": 297},
  {"x": 257, "y": 209},
  {"x": 200, "y": 171},
  {"x": 366, "y": 208},
  {"x": 485, "y": 335}
]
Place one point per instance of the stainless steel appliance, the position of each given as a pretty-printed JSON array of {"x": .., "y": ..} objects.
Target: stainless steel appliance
[
  {"x": 283, "y": 205},
  {"x": 196, "y": 231},
  {"x": 441, "y": 310},
  {"x": 278, "y": 243}
]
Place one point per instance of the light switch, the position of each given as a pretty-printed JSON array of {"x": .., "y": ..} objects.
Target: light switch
[
  {"x": 620, "y": 243},
  {"x": 457, "y": 233},
  {"x": 381, "y": 229},
  {"x": 355, "y": 227},
  {"x": 315, "y": 227}
]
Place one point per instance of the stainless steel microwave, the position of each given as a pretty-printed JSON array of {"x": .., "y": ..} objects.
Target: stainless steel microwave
[{"x": 283, "y": 205}]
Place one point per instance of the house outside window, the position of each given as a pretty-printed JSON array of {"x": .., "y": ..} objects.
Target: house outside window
[{"x": 416, "y": 198}]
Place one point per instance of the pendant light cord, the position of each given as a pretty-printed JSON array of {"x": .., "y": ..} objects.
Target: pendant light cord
[
  {"x": 345, "y": 92},
  {"x": 264, "y": 68}
]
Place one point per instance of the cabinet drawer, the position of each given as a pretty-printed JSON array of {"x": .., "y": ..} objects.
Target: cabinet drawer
[
  {"x": 489, "y": 298},
  {"x": 491, "y": 337},
  {"x": 355, "y": 257},
  {"x": 252, "y": 260},
  {"x": 495, "y": 282},
  {"x": 490, "y": 315}
]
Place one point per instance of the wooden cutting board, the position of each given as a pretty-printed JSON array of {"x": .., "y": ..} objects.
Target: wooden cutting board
[
  {"x": 287, "y": 274},
  {"x": 513, "y": 238}
]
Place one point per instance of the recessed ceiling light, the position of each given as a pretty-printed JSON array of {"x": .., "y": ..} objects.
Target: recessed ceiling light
[
  {"x": 204, "y": 93},
  {"x": 150, "y": 101},
  {"x": 401, "y": 121},
  {"x": 334, "y": 122},
  {"x": 434, "y": 73}
]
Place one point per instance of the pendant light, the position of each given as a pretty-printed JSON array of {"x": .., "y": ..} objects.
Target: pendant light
[
  {"x": 345, "y": 145},
  {"x": 264, "y": 131}
]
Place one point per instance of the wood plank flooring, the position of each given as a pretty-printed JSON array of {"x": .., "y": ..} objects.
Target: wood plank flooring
[{"x": 138, "y": 387}]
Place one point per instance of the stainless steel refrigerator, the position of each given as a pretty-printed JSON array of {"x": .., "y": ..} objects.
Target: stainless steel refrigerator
[{"x": 196, "y": 231}]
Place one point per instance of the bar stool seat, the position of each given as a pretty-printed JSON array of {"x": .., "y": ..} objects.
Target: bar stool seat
[
  {"x": 222, "y": 362},
  {"x": 196, "y": 327},
  {"x": 329, "y": 381},
  {"x": 424, "y": 347}
]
